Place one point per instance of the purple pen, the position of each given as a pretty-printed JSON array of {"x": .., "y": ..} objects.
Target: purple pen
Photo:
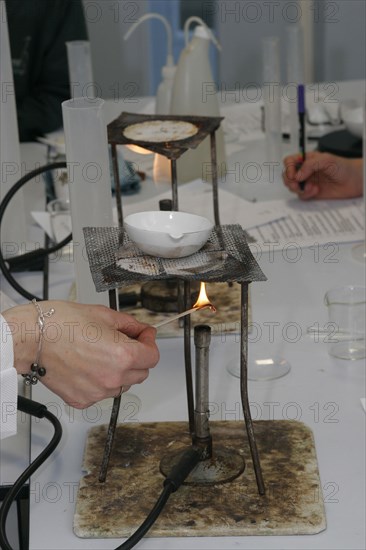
[{"x": 301, "y": 113}]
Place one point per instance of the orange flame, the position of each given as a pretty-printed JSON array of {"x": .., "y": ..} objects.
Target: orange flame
[
  {"x": 139, "y": 150},
  {"x": 202, "y": 300}
]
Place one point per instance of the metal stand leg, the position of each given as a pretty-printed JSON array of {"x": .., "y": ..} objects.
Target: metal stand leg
[
  {"x": 114, "y": 414},
  {"x": 173, "y": 163},
  {"x": 117, "y": 186},
  {"x": 23, "y": 521},
  {"x": 215, "y": 193},
  {"x": 188, "y": 356},
  {"x": 46, "y": 271},
  {"x": 244, "y": 388},
  {"x": 22, "y": 508}
]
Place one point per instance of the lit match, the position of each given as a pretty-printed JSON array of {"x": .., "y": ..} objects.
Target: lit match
[{"x": 201, "y": 303}]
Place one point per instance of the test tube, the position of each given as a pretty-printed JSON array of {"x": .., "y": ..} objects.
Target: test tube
[
  {"x": 80, "y": 69},
  {"x": 272, "y": 98},
  {"x": 89, "y": 183}
]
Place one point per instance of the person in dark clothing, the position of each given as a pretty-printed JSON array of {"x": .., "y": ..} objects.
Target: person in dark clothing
[{"x": 38, "y": 31}]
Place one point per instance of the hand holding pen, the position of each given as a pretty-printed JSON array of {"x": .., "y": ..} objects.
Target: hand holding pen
[{"x": 327, "y": 176}]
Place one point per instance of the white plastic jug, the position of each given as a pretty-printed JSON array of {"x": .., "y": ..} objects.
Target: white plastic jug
[
  {"x": 161, "y": 170},
  {"x": 165, "y": 88},
  {"x": 194, "y": 93}
]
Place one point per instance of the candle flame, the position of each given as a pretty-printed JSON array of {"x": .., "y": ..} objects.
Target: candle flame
[
  {"x": 202, "y": 300},
  {"x": 139, "y": 150}
]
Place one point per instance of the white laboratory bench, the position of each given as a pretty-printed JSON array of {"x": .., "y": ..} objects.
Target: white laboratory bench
[{"x": 320, "y": 391}]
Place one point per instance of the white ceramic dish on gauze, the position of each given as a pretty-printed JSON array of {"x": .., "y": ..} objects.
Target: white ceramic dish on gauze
[{"x": 168, "y": 234}]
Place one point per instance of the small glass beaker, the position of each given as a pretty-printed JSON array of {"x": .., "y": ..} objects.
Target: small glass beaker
[{"x": 346, "y": 314}]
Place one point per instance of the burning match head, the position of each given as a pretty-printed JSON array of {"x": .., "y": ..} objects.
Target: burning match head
[
  {"x": 202, "y": 303},
  {"x": 168, "y": 234},
  {"x": 202, "y": 300}
]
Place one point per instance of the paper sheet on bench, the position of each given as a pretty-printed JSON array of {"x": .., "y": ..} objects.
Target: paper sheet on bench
[{"x": 314, "y": 222}]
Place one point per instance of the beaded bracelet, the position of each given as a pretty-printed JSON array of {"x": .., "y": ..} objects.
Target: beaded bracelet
[{"x": 37, "y": 370}]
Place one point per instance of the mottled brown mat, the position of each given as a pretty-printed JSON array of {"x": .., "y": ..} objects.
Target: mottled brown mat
[{"x": 293, "y": 504}]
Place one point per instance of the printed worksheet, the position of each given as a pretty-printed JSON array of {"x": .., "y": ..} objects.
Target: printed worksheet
[{"x": 316, "y": 222}]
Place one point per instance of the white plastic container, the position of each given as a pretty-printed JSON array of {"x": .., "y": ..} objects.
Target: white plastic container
[
  {"x": 272, "y": 98},
  {"x": 89, "y": 183},
  {"x": 80, "y": 69},
  {"x": 13, "y": 229},
  {"x": 165, "y": 88},
  {"x": 194, "y": 93},
  {"x": 162, "y": 169}
]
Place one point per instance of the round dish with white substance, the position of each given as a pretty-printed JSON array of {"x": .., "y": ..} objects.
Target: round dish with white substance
[{"x": 157, "y": 131}]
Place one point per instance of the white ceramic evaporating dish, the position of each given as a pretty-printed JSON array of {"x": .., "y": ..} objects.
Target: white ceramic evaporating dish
[{"x": 168, "y": 234}]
